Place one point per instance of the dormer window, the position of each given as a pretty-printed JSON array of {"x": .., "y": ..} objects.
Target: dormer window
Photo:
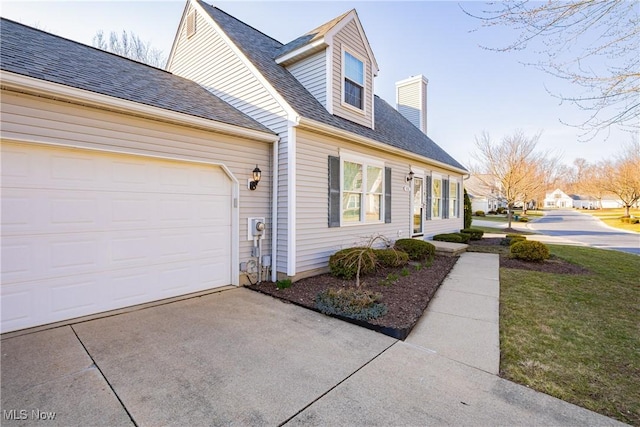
[{"x": 353, "y": 81}]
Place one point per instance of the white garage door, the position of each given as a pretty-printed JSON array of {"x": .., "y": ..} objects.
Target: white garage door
[{"x": 85, "y": 232}]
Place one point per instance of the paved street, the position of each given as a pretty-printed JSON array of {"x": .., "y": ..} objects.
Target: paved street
[{"x": 585, "y": 229}]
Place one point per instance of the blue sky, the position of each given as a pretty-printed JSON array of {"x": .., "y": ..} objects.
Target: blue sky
[{"x": 470, "y": 90}]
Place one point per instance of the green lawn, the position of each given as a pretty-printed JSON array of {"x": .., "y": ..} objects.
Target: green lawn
[
  {"x": 576, "y": 337},
  {"x": 612, "y": 217}
]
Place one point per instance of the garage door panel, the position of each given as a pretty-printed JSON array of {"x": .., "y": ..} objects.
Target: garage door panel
[
  {"x": 70, "y": 298},
  {"x": 17, "y": 307},
  {"x": 133, "y": 247},
  {"x": 86, "y": 232}
]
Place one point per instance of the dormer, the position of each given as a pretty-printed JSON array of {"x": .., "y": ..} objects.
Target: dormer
[{"x": 334, "y": 62}]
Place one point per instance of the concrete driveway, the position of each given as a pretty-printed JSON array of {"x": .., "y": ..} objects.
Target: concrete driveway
[{"x": 237, "y": 357}]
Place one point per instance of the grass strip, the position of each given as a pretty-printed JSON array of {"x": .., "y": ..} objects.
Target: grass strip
[{"x": 576, "y": 337}]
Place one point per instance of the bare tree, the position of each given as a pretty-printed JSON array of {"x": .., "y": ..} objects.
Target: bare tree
[
  {"x": 591, "y": 43},
  {"x": 521, "y": 171},
  {"x": 131, "y": 46},
  {"x": 621, "y": 176}
]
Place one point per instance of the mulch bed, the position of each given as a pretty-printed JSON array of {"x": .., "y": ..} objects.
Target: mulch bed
[
  {"x": 553, "y": 265},
  {"x": 406, "y": 298}
]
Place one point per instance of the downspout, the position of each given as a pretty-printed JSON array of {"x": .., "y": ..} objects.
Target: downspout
[{"x": 274, "y": 212}]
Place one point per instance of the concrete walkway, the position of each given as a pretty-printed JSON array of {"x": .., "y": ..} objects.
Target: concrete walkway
[
  {"x": 241, "y": 358},
  {"x": 461, "y": 322}
]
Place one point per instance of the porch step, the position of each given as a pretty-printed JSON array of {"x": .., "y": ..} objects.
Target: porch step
[{"x": 449, "y": 249}]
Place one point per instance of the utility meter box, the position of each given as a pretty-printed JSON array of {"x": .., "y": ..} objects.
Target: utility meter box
[{"x": 256, "y": 228}]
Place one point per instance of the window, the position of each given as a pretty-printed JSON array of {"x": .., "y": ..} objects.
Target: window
[
  {"x": 353, "y": 81},
  {"x": 359, "y": 191},
  {"x": 436, "y": 197},
  {"x": 453, "y": 199},
  {"x": 362, "y": 192}
]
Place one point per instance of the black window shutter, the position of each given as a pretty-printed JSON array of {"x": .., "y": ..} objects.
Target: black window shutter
[
  {"x": 428, "y": 188},
  {"x": 445, "y": 198},
  {"x": 387, "y": 195},
  {"x": 334, "y": 191}
]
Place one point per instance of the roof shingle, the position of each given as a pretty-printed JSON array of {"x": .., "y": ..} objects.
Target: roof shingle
[{"x": 34, "y": 53}]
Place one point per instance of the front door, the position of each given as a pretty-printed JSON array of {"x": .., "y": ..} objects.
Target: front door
[{"x": 417, "y": 206}]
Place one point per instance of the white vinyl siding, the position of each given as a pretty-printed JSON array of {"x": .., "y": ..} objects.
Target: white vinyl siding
[
  {"x": 207, "y": 59},
  {"x": 411, "y": 101},
  {"x": 311, "y": 73},
  {"x": 27, "y": 118},
  {"x": 315, "y": 240},
  {"x": 349, "y": 39}
]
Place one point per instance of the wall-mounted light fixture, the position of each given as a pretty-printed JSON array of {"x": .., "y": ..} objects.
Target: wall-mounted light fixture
[
  {"x": 257, "y": 174},
  {"x": 410, "y": 176}
]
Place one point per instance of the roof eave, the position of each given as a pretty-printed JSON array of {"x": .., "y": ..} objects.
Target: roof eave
[
  {"x": 33, "y": 86},
  {"x": 301, "y": 52},
  {"x": 310, "y": 124}
]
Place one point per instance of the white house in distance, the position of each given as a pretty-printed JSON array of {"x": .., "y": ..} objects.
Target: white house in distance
[
  {"x": 124, "y": 184},
  {"x": 558, "y": 199},
  {"x": 484, "y": 193}
]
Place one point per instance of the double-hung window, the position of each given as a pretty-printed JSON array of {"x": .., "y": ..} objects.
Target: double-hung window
[
  {"x": 453, "y": 199},
  {"x": 362, "y": 192},
  {"x": 353, "y": 81},
  {"x": 436, "y": 197}
]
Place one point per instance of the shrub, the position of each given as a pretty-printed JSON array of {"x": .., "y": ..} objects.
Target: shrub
[
  {"x": 515, "y": 240},
  {"x": 475, "y": 233},
  {"x": 479, "y": 213},
  {"x": 510, "y": 239},
  {"x": 523, "y": 219},
  {"x": 529, "y": 250},
  {"x": 515, "y": 236},
  {"x": 501, "y": 210},
  {"x": 417, "y": 250},
  {"x": 448, "y": 237},
  {"x": 492, "y": 212},
  {"x": 354, "y": 303},
  {"x": 452, "y": 237},
  {"x": 283, "y": 284},
  {"x": 391, "y": 257},
  {"x": 346, "y": 262},
  {"x": 629, "y": 220}
]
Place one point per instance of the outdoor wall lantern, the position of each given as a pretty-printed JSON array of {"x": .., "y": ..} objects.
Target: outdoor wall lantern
[
  {"x": 257, "y": 174},
  {"x": 410, "y": 176}
]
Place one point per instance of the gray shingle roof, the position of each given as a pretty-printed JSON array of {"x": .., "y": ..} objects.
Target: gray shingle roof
[
  {"x": 391, "y": 127},
  {"x": 34, "y": 53},
  {"x": 315, "y": 34}
]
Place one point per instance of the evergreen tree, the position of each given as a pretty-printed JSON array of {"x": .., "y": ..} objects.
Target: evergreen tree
[{"x": 467, "y": 210}]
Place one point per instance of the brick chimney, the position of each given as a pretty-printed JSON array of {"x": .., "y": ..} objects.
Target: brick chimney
[{"x": 411, "y": 100}]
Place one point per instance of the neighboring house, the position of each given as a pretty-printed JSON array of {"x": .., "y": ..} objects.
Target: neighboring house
[
  {"x": 123, "y": 183},
  {"x": 584, "y": 202},
  {"x": 484, "y": 193},
  {"x": 344, "y": 154},
  {"x": 557, "y": 199}
]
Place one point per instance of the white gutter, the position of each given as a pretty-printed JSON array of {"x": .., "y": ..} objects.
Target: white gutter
[
  {"x": 353, "y": 137},
  {"x": 301, "y": 51},
  {"x": 33, "y": 86},
  {"x": 274, "y": 212}
]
